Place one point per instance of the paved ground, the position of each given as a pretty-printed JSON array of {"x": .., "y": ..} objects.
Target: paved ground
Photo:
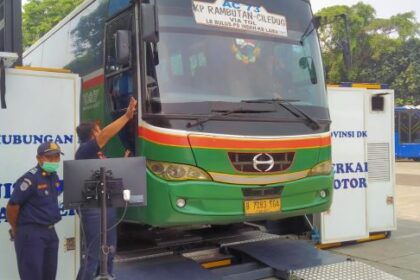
[{"x": 399, "y": 255}]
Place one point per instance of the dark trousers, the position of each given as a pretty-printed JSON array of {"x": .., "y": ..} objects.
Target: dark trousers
[
  {"x": 37, "y": 252},
  {"x": 91, "y": 229}
]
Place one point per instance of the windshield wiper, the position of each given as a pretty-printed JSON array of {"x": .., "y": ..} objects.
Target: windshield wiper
[
  {"x": 269, "y": 100},
  {"x": 286, "y": 104},
  {"x": 222, "y": 113}
]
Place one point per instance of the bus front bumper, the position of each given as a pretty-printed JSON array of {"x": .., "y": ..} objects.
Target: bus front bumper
[{"x": 208, "y": 202}]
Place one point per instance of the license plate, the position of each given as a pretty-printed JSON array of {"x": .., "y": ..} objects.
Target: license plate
[{"x": 260, "y": 206}]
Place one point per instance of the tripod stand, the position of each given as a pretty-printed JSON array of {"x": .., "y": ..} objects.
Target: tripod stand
[
  {"x": 104, "y": 248},
  {"x": 91, "y": 187}
]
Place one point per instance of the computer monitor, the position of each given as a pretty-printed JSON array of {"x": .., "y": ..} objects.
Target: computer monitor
[{"x": 81, "y": 177}]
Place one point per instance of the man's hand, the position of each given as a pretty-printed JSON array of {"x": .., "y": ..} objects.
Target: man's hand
[
  {"x": 127, "y": 153},
  {"x": 12, "y": 211},
  {"x": 12, "y": 234},
  {"x": 131, "y": 108},
  {"x": 113, "y": 128}
]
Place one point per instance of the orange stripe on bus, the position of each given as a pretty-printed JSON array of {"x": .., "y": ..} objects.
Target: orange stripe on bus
[
  {"x": 163, "y": 138},
  {"x": 93, "y": 82},
  {"x": 198, "y": 141},
  {"x": 212, "y": 142},
  {"x": 325, "y": 141}
]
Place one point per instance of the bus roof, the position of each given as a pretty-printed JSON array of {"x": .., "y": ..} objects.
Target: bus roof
[{"x": 407, "y": 107}]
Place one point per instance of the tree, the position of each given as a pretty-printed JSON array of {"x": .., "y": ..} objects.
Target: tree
[
  {"x": 405, "y": 75},
  {"x": 39, "y": 16},
  {"x": 383, "y": 50},
  {"x": 88, "y": 37}
]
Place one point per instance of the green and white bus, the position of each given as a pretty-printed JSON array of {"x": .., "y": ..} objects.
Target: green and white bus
[{"x": 232, "y": 118}]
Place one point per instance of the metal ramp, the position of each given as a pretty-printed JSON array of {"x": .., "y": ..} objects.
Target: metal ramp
[
  {"x": 252, "y": 255},
  {"x": 298, "y": 260},
  {"x": 287, "y": 255},
  {"x": 348, "y": 270}
]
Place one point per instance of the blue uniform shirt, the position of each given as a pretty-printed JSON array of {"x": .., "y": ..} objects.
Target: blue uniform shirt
[
  {"x": 36, "y": 193},
  {"x": 89, "y": 150}
]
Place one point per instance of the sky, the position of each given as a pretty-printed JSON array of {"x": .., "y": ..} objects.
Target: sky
[{"x": 384, "y": 8}]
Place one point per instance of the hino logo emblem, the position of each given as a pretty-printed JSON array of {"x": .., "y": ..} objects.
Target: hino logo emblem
[{"x": 265, "y": 160}]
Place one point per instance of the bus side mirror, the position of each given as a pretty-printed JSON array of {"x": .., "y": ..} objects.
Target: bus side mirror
[
  {"x": 122, "y": 47},
  {"x": 316, "y": 21},
  {"x": 149, "y": 23},
  {"x": 307, "y": 62},
  {"x": 303, "y": 62}
]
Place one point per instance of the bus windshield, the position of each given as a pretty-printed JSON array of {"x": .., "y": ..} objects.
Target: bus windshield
[{"x": 225, "y": 51}]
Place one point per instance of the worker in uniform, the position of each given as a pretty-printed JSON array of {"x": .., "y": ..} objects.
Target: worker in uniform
[
  {"x": 92, "y": 139},
  {"x": 32, "y": 212}
]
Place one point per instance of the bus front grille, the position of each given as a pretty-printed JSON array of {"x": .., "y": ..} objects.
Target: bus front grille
[{"x": 261, "y": 162}]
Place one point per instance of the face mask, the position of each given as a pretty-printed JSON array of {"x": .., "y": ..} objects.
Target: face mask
[{"x": 50, "y": 166}]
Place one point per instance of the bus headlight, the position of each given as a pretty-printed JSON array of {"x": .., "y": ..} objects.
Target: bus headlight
[
  {"x": 323, "y": 168},
  {"x": 180, "y": 202},
  {"x": 176, "y": 172}
]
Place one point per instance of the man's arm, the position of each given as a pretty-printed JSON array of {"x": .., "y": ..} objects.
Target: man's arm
[
  {"x": 12, "y": 211},
  {"x": 22, "y": 191},
  {"x": 113, "y": 128}
]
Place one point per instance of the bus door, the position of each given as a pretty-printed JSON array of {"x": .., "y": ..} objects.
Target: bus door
[{"x": 120, "y": 70}]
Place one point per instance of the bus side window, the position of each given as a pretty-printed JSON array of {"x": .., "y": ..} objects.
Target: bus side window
[
  {"x": 153, "y": 98},
  {"x": 120, "y": 89},
  {"x": 415, "y": 127},
  {"x": 404, "y": 127},
  {"x": 120, "y": 73}
]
